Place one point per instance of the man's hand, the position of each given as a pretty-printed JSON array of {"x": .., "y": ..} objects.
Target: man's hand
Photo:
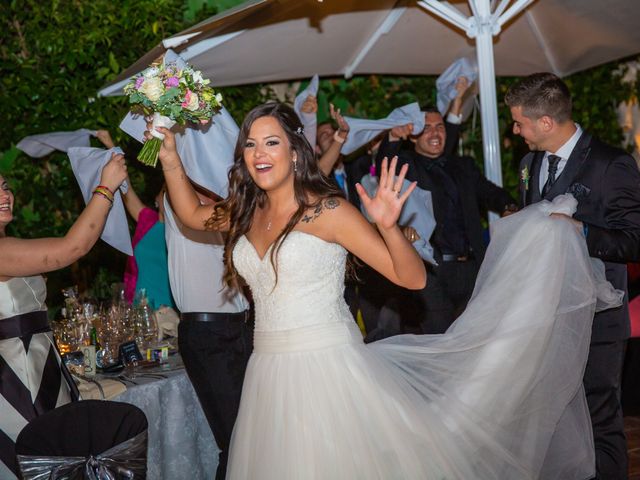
[
  {"x": 310, "y": 105},
  {"x": 401, "y": 132},
  {"x": 462, "y": 85},
  {"x": 105, "y": 138},
  {"x": 576, "y": 223}
]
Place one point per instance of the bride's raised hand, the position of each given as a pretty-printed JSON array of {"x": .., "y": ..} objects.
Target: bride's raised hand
[
  {"x": 168, "y": 152},
  {"x": 385, "y": 207}
]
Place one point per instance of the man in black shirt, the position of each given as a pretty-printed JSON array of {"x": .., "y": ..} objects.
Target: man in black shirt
[{"x": 459, "y": 192}]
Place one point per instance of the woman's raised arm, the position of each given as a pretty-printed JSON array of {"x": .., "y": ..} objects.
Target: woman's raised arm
[
  {"x": 24, "y": 257},
  {"x": 184, "y": 200}
]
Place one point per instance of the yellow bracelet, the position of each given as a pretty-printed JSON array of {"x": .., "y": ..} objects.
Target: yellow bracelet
[
  {"x": 101, "y": 193},
  {"x": 107, "y": 193}
]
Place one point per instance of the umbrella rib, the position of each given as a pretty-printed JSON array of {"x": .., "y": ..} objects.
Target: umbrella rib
[
  {"x": 203, "y": 45},
  {"x": 447, "y": 12},
  {"x": 384, "y": 27},
  {"x": 513, "y": 10},
  {"x": 501, "y": 8},
  {"x": 543, "y": 43}
]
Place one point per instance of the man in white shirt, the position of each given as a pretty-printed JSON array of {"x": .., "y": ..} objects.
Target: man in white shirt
[{"x": 216, "y": 329}]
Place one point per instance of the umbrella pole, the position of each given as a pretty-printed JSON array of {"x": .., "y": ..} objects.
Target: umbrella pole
[{"x": 488, "y": 97}]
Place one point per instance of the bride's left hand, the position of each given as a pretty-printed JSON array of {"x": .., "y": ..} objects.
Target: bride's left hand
[{"x": 385, "y": 207}]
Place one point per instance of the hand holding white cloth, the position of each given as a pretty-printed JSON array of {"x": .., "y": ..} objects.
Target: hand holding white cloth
[
  {"x": 363, "y": 130},
  {"x": 309, "y": 120},
  {"x": 87, "y": 164},
  {"x": 446, "y": 82}
]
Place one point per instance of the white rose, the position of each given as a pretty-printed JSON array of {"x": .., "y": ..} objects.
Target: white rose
[
  {"x": 194, "y": 102},
  {"x": 219, "y": 97},
  {"x": 197, "y": 77},
  {"x": 151, "y": 72},
  {"x": 152, "y": 88}
]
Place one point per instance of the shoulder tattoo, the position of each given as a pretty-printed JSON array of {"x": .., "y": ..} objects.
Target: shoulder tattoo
[{"x": 327, "y": 204}]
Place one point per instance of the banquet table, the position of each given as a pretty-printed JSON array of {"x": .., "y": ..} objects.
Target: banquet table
[{"x": 181, "y": 445}]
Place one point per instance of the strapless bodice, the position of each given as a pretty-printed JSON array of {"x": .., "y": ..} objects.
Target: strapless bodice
[
  {"x": 310, "y": 282},
  {"x": 22, "y": 295}
]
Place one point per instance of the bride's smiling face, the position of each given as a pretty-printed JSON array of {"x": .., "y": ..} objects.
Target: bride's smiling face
[
  {"x": 6, "y": 202},
  {"x": 268, "y": 155}
]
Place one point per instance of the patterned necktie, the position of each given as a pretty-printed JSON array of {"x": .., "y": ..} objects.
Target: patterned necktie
[{"x": 553, "y": 160}]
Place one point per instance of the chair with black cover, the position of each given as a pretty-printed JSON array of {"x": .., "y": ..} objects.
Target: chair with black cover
[{"x": 89, "y": 439}]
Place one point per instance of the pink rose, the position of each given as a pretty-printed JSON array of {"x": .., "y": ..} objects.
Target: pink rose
[{"x": 187, "y": 97}]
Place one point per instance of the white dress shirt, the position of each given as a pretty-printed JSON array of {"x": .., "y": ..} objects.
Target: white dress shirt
[
  {"x": 563, "y": 152},
  {"x": 196, "y": 267}
]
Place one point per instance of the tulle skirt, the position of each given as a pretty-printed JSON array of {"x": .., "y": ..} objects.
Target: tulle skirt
[{"x": 498, "y": 396}]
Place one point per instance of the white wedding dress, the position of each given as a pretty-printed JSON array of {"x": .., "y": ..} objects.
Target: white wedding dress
[{"x": 499, "y": 396}]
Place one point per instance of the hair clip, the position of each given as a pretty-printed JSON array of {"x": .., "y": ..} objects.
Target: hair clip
[{"x": 300, "y": 130}]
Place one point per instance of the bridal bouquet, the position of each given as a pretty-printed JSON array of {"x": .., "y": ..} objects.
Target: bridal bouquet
[{"x": 172, "y": 95}]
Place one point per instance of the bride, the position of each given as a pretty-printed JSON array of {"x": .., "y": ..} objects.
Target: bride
[{"x": 499, "y": 396}]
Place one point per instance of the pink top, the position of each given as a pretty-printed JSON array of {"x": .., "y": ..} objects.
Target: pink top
[{"x": 146, "y": 219}]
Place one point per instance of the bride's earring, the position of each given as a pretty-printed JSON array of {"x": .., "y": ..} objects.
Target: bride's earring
[{"x": 295, "y": 164}]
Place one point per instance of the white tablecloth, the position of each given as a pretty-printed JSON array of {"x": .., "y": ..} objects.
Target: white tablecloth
[{"x": 181, "y": 445}]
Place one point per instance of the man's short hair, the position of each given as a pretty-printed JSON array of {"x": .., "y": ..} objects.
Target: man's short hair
[
  {"x": 428, "y": 108},
  {"x": 541, "y": 94}
]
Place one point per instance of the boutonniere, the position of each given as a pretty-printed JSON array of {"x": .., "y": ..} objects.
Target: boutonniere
[{"x": 524, "y": 177}]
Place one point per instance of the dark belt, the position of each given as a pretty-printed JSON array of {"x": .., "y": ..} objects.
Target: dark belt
[
  {"x": 452, "y": 257},
  {"x": 215, "y": 316},
  {"x": 24, "y": 324}
]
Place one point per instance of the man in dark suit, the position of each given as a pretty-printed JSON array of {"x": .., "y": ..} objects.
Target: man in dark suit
[
  {"x": 606, "y": 182},
  {"x": 459, "y": 193}
]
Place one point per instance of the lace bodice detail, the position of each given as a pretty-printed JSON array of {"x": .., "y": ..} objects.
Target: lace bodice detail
[
  {"x": 22, "y": 295},
  {"x": 310, "y": 284}
]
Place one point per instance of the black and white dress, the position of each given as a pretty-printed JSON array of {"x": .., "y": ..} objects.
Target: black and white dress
[{"x": 31, "y": 382}]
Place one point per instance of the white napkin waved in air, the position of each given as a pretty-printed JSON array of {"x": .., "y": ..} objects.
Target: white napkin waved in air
[
  {"x": 87, "y": 164},
  {"x": 309, "y": 120},
  {"x": 363, "y": 130}
]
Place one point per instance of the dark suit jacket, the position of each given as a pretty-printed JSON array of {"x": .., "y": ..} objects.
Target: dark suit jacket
[
  {"x": 606, "y": 182},
  {"x": 473, "y": 187}
]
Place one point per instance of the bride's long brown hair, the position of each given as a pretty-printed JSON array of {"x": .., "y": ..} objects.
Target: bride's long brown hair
[{"x": 310, "y": 186}]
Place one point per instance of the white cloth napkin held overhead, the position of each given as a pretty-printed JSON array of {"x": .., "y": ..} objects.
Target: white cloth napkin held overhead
[
  {"x": 38, "y": 146},
  {"x": 309, "y": 120},
  {"x": 87, "y": 164},
  {"x": 206, "y": 150},
  {"x": 362, "y": 130},
  {"x": 417, "y": 212},
  {"x": 446, "y": 83}
]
